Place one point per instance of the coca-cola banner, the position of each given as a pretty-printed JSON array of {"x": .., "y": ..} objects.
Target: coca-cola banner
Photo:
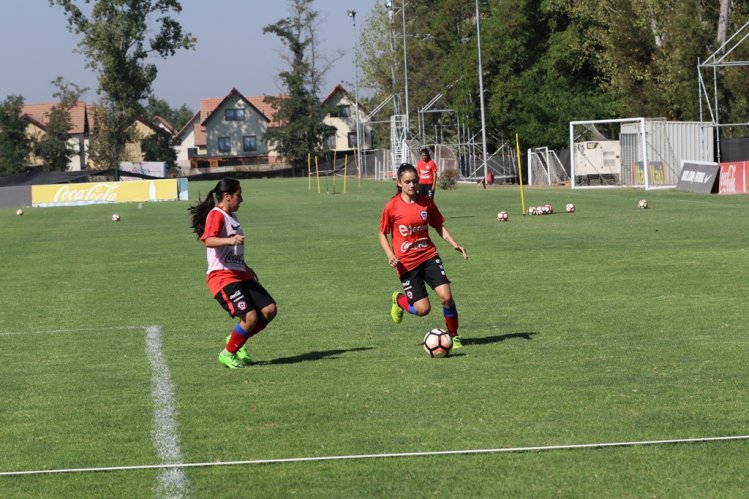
[
  {"x": 733, "y": 178},
  {"x": 104, "y": 192}
]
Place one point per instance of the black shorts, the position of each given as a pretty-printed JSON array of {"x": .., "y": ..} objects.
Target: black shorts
[
  {"x": 425, "y": 190},
  {"x": 238, "y": 298},
  {"x": 430, "y": 272}
]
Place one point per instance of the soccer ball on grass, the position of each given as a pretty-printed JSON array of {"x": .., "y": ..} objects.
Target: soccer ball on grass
[
  {"x": 570, "y": 208},
  {"x": 642, "y": 204},
  {"x": 19, "y": 212},
  {"x": 115, "y": 218},
  {"x": 502, "y": 216},
  {"x": 438, "y": 343}
]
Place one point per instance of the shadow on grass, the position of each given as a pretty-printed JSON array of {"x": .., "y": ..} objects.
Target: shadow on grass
[
  {"x": 309, "y": 356},
  {"x": 497, "y": 339}
]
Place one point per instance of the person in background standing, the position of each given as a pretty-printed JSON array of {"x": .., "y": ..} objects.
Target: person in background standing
[{"x": 427, "y": 170}]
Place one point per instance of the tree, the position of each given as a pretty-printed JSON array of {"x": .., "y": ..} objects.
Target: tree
[
  {"x": 299, "y": 113},
  {"x": 160, "y": 147},
  {"x": 15, "y": 145},
  {"x": 54, "y": 147},
  {"x": 114, "y": 44},
  {"x": 178, "y": 117}
]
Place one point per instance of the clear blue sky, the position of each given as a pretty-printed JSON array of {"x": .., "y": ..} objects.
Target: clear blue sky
[{"x": 232, "y": 50}]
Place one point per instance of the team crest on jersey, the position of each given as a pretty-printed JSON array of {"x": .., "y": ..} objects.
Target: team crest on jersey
[
  {"x": 241, "y": 305},
  {"x": 423, "y": 215}
]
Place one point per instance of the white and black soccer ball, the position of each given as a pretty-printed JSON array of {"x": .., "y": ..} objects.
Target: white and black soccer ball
[
  {"x": 438, "y": 343},
  {"x": 569, "y": 208},
  {"x": 19, "y": 212},
  {"x": 115, "y": 217},
  {"x": 502, "y": 216},
  {"x": 548, "y": 209},
  {"x": 642, "y": 204},
  {"x": 531, "y": 210}
]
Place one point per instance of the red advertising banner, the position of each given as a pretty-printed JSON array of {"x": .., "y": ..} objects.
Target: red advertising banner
[{"x": 733, "y": 178}]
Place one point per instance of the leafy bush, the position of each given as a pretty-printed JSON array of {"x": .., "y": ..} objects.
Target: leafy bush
[{"x": 448, "y": 178}]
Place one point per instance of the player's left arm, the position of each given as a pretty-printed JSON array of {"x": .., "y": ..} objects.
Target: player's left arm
[{"x": 445, "y": 234}]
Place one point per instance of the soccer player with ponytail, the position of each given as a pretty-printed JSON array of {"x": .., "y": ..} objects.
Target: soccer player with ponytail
[
  {"x": 231, "y": 282},
  {"x": 406, "y": 219}
]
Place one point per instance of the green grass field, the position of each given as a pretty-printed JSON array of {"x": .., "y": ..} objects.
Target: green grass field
[{"x": 612, "y": 324}]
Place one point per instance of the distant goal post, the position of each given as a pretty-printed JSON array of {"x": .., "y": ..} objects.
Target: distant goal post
[{"x": 634, "y": 152}]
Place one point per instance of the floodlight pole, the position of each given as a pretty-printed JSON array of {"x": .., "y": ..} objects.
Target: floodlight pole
[
  {"x": 389, "y": 6},
  {"x": 481, "y": 88},
  {"x": 352, "y": 15},
  {"x": 405, "y": 62}
]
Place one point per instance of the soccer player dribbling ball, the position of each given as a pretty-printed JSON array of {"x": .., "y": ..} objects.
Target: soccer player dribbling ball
[
  {"x": 231, "y": 282},
  {"x": 406, "y": 218}
]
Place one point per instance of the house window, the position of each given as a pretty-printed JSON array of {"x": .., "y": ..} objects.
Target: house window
[
  {"x": 343, "y": 112},
  {"x": 331, "y": 141},
  {"x": 234, "y": 114},
  {"x": 224, "y": 144},
  {"x": 352, "y": 140},
  {"x": 249, "y": 143}
]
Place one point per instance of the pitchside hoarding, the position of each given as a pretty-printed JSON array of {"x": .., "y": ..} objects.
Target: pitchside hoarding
[
  {"x": 151, "y": 168},
  {"x": 733, "y": 178},
  {"x": 107, "y": 192},
  {"x": 698, "y": 176}
]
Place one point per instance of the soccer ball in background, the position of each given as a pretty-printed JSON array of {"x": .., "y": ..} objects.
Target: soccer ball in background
[
  {"x": 438, "y": 343},
  {"x": 548, "y": 209},
  {"x": 502, "y": 216},
  {"x": 569, "y": 208},
  {"x": 115, "y": 218},
  {"x": 19, "y": 212},
  {"x": 642, "y": 204}
]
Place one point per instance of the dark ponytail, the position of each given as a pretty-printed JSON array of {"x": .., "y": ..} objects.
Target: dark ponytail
[{"x": 199, "y": 212}]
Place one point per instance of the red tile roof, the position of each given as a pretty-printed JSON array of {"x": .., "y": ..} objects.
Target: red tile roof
[
  {"x": 208, "y": 106},
  {"x": 78, "y": 115}
]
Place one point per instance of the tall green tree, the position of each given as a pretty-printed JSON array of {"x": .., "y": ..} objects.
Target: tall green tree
[
  {"x": 54, "y": 148},
  {"x": 15, "y": 145},
  {"x": 548, "y": 62},
  {"x": 115, "y": 44},
  {"x": 299, "y": 113}
]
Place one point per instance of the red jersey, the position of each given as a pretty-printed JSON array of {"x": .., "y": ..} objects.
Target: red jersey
[
  {"x": 408, "y": 224},
  {"x": 225, "y": 264},
  {"x": 427, "y": 171}
]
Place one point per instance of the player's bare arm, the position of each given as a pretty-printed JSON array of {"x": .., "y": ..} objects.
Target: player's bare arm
[
  {"x": 218, "y": 242},
  {"x": 385, "y": 244},
  {"x": 445, "y": 234}
]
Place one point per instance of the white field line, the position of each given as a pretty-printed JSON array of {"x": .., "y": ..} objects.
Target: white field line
[
  {"x": 375, "y": 456},
  {"x": 172, "y": 482},
  {"x": 69, "y": 331}
]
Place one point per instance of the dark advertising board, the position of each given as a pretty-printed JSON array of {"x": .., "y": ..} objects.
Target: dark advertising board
[{"x": 698, "y": 176}]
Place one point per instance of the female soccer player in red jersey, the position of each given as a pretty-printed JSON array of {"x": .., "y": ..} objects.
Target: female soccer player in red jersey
[
  {"x": 406, "y": 219},
  {"x": 231, "y": 282},
  {"x": 427, "y": 170}
]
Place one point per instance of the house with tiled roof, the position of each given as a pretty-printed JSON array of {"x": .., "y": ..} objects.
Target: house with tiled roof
[
  {"x": 37, "y": 116},
  {"x": 228, "y": 131},
  {"x": 340, "y": 107}
]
